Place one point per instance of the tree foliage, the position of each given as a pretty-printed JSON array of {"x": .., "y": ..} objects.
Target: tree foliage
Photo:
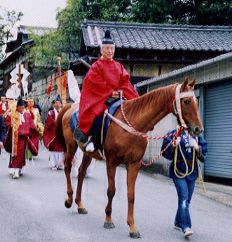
[
  {"x": 7, "y": 21},
  {"x": 46, "y": 49}
]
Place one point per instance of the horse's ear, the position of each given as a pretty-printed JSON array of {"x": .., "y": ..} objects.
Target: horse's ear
[
  {"x": 185, "y": 83},
  {"x": 192, "y": 83}
]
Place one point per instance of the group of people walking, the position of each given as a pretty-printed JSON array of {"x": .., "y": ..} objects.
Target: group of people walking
[{"x": 22, "y": 129}]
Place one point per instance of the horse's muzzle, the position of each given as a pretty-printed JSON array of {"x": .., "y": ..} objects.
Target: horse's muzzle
[{"x": 197, "y": 130}]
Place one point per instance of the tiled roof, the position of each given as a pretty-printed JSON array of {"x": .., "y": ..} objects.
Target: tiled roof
[{"x": 159, "y": 36}]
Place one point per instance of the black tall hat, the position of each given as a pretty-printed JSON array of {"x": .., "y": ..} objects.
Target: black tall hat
[
  {"x": 107, "y": 39},
  {"x": 58, "y": 98},
  {"x": 20, "y": 102}
]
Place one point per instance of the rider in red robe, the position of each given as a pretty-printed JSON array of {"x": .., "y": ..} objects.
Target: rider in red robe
[{"x": 104, "y": 79}]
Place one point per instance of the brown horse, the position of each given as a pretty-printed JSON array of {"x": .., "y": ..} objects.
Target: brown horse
[{"x": 143, "y": 113}]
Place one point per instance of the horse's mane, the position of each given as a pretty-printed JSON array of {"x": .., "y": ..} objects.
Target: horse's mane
[{"x": 154, "y": 98}]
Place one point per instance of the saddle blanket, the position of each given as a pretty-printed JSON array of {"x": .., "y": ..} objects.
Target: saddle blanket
[{"x": 96, "y": 127}]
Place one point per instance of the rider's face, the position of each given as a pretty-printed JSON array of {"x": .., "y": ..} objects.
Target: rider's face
[{"x": 107, "y": 51}]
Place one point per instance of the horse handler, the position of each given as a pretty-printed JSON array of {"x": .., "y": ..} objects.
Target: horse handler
[
  {"x": 104, "y": 79},
  {"x": 184, "y": 170}
]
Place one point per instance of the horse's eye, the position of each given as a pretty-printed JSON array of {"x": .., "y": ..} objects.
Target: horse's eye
[{"x": 187, "y": 101}]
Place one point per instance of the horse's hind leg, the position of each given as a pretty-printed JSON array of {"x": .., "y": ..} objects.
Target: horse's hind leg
[
  {"x": 111, "y": 170},
  {"x": 81, "y": 175},
  {"x": 67, "y": 169},
  {"x": 132, "y": 172}
]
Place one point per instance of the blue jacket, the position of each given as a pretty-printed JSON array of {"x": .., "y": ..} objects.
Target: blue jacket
[{"x": 188, "y": 153}]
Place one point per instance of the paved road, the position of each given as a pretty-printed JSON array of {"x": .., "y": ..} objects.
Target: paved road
[{"x": 32, "y": 209}]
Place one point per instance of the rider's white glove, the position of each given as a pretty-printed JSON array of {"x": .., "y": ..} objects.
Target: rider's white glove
[{"x": 193, "y": 143}]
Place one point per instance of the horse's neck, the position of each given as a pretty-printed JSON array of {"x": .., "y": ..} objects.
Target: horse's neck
[{"x": 151, "y": 108}]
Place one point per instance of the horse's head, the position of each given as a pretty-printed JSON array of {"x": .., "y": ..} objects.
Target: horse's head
[{"x": 188, "y": 105}]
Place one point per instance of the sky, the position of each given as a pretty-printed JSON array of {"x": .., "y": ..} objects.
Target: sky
[{"x": 36, "y": 12}]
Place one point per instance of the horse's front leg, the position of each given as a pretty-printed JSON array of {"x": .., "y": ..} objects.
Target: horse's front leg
[
  {"x": 81, "y": 175},
  {"x": 111, "y": 170},
  {"x": 132, "y": 172},
  {"x": 67, "y": 169}
]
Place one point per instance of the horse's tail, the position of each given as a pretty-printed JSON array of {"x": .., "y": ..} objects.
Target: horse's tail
[{"x": 59, "y": 129}]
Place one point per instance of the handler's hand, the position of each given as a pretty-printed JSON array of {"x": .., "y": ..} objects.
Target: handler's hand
[
  {"x": 115, "y": 94},
  {"x": 193, "y": 143},
  {"x": 1, "y": 145}
]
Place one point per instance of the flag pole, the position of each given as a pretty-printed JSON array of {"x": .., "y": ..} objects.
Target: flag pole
[{"x": 60, "y": 75}]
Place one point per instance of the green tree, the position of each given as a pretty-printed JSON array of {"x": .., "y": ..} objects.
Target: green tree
[
  {"x": 150, "y": 11},
  {"x": 46, "y": 49},
  {"x": 7, "y": 21},
  {"x": 211, "y": 12}
]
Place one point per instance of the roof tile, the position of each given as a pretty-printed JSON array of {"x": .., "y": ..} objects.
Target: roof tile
[{"x": 160, "y": 36}]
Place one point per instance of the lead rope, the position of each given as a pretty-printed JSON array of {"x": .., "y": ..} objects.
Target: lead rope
[
  {"x": 176, "y": 171},
  {"x": 183, "y": 175},
  {"x": 200, "y": 177}
]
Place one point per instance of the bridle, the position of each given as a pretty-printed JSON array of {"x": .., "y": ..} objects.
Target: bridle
[{"x": 175, "y": 104}]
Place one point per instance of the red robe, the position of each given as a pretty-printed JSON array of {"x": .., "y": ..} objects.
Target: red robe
[
  {"x": 49, "y": 135},
  {"x": 102, "y": 79},
  {"x": 24, "y": 129}
]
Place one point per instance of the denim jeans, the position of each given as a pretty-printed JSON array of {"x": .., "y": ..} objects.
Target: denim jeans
[{"x": 184, "y": 189}]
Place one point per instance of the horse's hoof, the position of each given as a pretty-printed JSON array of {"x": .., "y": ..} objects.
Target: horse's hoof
[
  {"x": 67, "y": 204},
  {"x": 82, "y": 211},
  {"x": 135, "y": 235},
  {"x": 109, "y": 225}
]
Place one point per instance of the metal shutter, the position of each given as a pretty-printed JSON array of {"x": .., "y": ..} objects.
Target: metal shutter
[{"x": 218, "y": 130}]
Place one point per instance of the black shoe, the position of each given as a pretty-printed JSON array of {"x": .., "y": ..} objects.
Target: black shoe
[{"x": 79, "y": 135}]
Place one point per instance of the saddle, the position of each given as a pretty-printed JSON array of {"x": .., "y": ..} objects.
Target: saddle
[{"x": 100, "y": 124}]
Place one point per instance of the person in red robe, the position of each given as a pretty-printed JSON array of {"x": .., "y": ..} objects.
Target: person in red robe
[
  {"x": 35, "y": 133},
  {"x": 103, "y": 80},
  {"x": 17, "y": 162},
  {"x": 49, "y": 137}
]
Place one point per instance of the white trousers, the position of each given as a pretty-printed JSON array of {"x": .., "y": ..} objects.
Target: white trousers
[
  {"x": 56, "y": 158},
  {"x": 77, "y": 162}
]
